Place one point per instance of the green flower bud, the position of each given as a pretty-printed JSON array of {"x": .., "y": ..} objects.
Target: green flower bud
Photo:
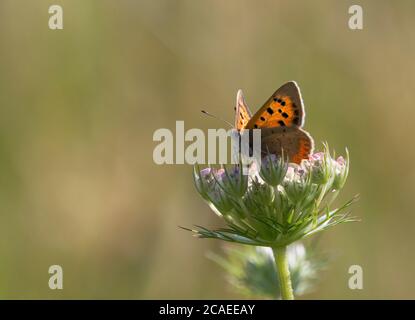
[
  {"x": 295, "y": 183},
  {"x": 204, "y": 180},
  {"x": 321, "y": 167},
  {"x": 207, "y": 184},
  {"x": 299, "y": 187},
  {"x": 220, "y": 200},
  {"x": 281, "y": 202},
  {"x": 259, "y": 195},
  {"x": 233, "y": 181},
  {"x": 273, "y": 169},
  {"x": 341, "y": 170}
]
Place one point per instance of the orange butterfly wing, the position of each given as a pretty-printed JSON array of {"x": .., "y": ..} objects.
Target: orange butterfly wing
[
  {"x": 242, "y": 112},
  {"x": 283, "y": 109}
]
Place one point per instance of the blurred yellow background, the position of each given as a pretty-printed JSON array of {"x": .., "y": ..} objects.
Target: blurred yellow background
[{"x": 78, "y": 108}]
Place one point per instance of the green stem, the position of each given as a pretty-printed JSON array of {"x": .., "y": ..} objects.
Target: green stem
[{"x": 281, "y": 262}]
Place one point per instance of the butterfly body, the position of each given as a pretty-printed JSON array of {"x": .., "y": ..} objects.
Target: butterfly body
[{"x": 280, "y": 119}]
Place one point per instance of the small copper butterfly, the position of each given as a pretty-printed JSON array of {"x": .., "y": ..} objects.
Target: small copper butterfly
[{"x": 280, "y": 119}]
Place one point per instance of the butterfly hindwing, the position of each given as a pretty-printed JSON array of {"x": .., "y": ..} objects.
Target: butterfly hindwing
[
  {"x": 295, "y": 143},
  {"x": 242, "y": 112},
  {"x": 283, "y": 109}
]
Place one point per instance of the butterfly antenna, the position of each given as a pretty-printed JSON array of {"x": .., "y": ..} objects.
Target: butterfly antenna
[{"x": 218, "y": 118}]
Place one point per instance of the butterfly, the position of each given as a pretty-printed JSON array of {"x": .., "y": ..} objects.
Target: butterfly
[{"x": 280, "y": 119}]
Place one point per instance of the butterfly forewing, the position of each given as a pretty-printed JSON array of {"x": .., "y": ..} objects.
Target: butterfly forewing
[
  {"x": 283, "y": 109},
  {"x": 242, "y": 112}
]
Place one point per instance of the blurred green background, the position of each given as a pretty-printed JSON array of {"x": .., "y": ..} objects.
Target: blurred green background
[{"x": 78, "y": 108}]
